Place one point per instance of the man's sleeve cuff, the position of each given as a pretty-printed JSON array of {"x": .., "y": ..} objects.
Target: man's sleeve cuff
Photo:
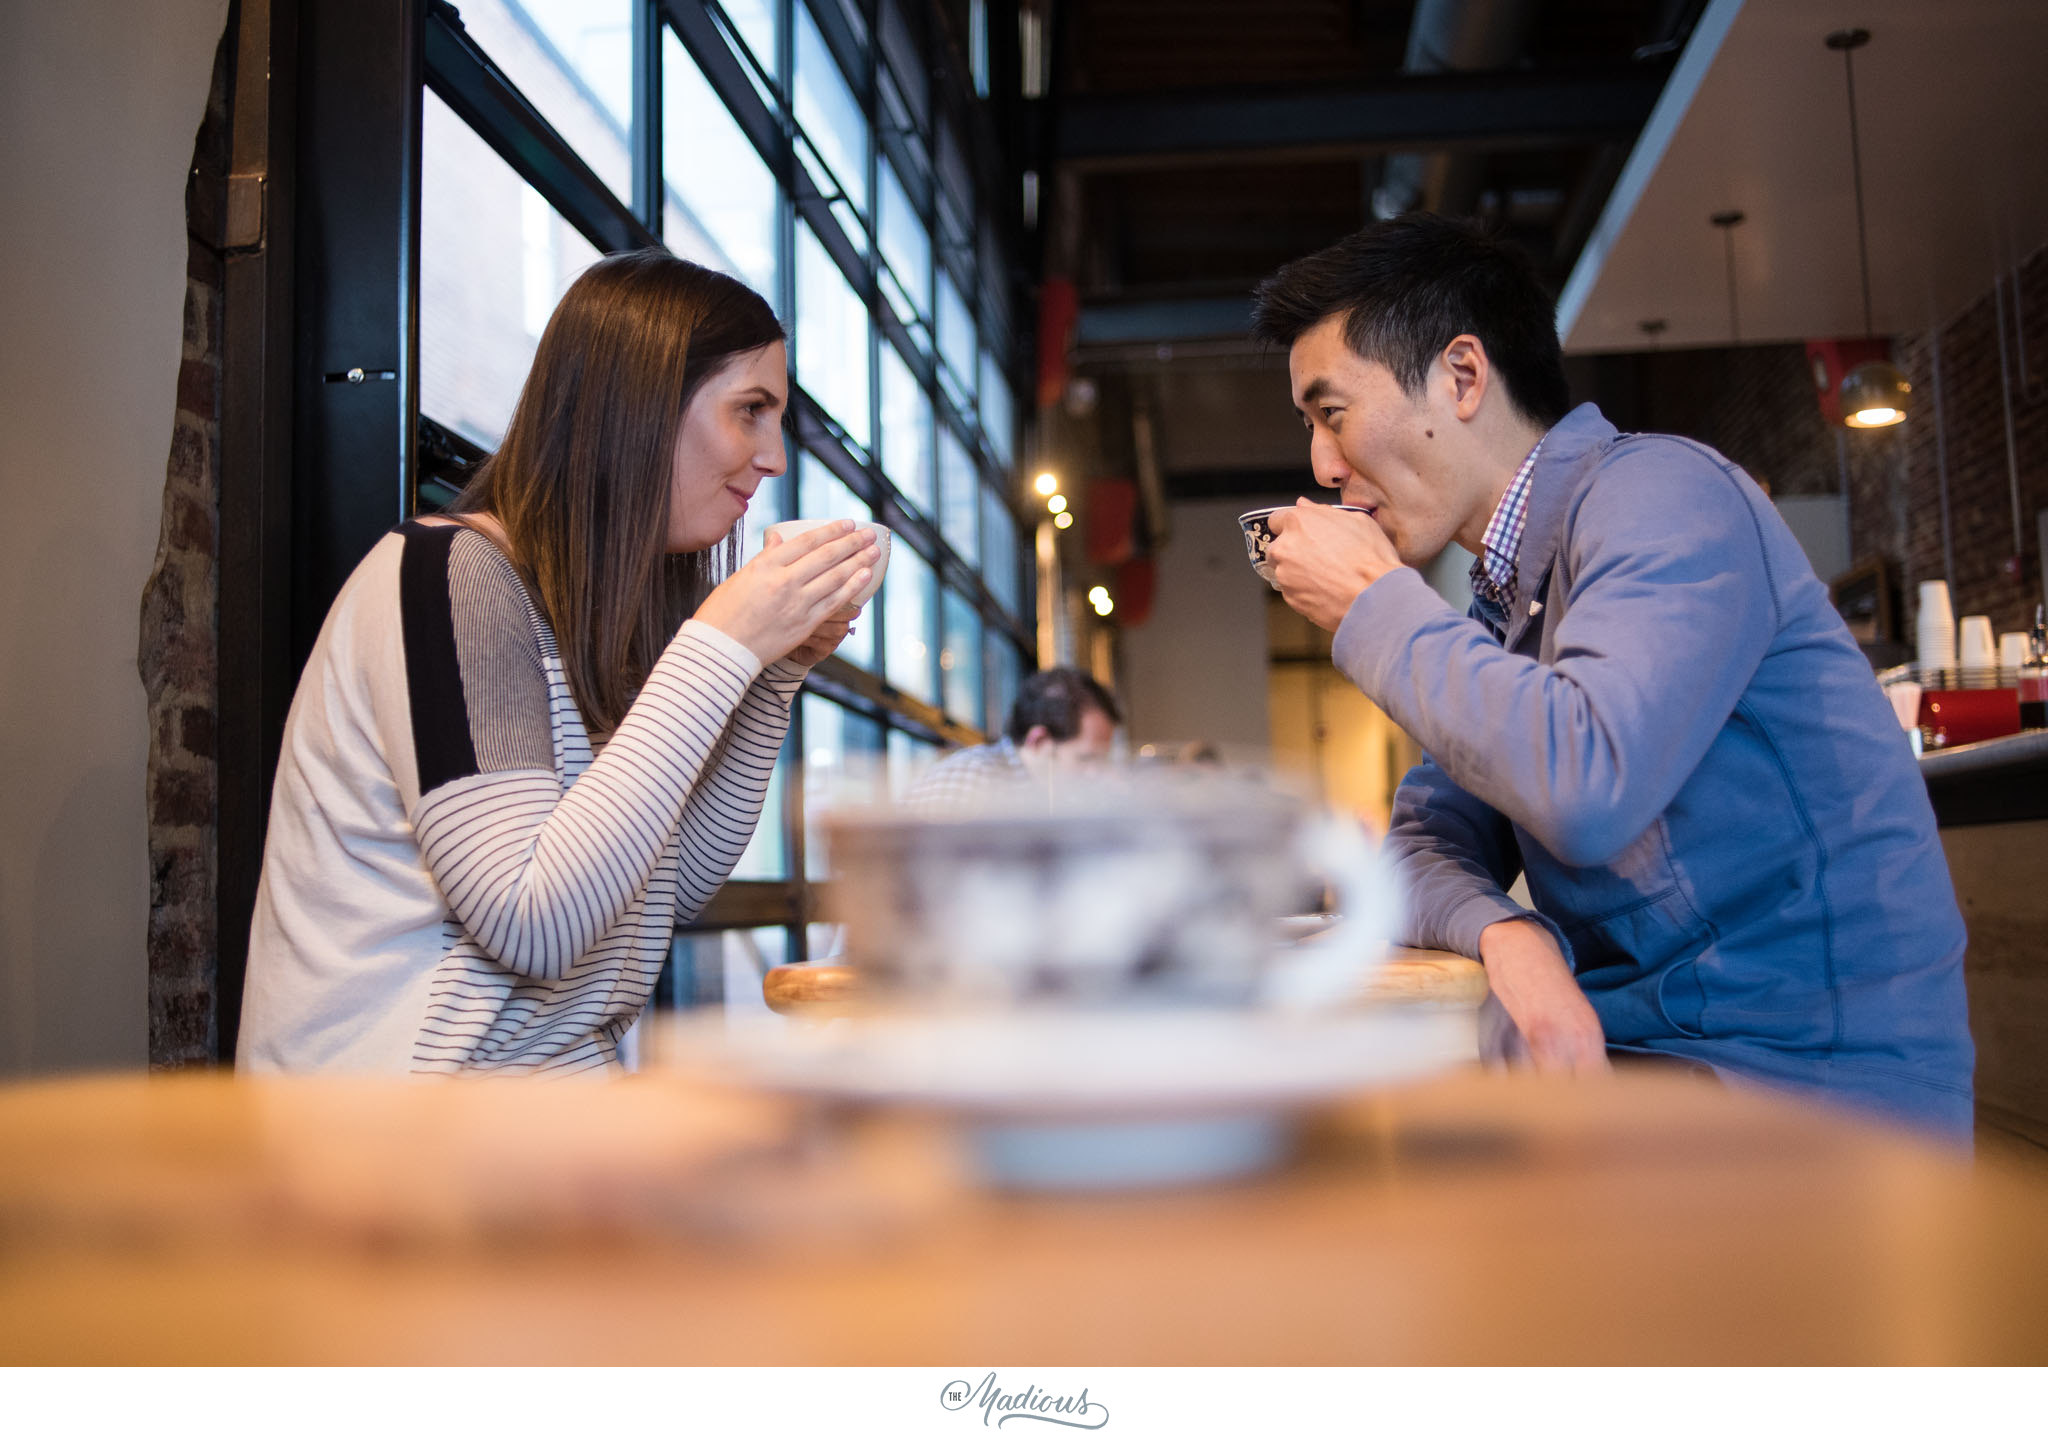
[{"x": 1462, "y": 928}]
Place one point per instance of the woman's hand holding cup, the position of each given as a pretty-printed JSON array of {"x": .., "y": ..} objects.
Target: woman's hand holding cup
[
  {"x": 784, "y": 601},
  {"x": 826, "y": 639}
]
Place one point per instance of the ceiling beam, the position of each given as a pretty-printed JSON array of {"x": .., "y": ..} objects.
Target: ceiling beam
[
  {"x": 1166, "y": 320},
  {"x": 1489, "y": 110}
]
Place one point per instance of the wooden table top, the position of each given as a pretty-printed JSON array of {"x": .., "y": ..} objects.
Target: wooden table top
[
  {"x": 1406, "y": 976},
  {"x": 1478, "y": 1218}
]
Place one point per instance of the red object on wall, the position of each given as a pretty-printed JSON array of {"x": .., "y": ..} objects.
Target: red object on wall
[
  {"x": 1830, "y": 360},
  {"x": 1112, "y": 520},
  {"x": 1059, "y": 308},
  {"x": 1136, "y": 581}
]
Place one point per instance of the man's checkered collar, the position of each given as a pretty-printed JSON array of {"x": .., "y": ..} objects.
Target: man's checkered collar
[{"x": 1494, "y": 574}]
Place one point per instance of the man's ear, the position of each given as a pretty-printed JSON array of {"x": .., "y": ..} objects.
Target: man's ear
[
  {"x": 1471, "y": 373},
  {"x": 1036, "y": 739}
]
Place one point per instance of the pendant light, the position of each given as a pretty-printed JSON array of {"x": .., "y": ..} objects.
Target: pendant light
[
  {"x": 1726, "y": 221},
  {"x": 1875, "y": 394}
]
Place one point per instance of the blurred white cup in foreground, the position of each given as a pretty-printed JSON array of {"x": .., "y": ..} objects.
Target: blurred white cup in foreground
[
  {"x": 2015, "y": 649},
  {"x": 1154, "y": 888},
  {"x": 787, "y": 530}
]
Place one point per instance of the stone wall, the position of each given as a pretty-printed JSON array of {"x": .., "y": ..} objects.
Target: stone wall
[{"x": 179, "y": 636}]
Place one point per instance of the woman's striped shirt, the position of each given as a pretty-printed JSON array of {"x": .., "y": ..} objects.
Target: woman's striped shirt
[{"x": 454, "y": 880}]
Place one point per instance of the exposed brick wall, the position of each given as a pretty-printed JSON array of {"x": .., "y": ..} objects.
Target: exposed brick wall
[
  {"x": 1754, "y": 404},
  {"x": 1895, "y": 494},
  {"x": 179, "y": 637}
]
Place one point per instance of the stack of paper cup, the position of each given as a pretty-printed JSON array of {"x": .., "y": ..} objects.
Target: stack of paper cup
[
  {"x": 1974, "y": 649},
  {"x": 1905, "y": 698},
  {"x": 1936, "y": 634},
  {"x": 2015, "y": 649}
]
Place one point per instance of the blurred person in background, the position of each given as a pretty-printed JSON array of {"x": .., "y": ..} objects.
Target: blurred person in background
[
  {"x": 535, "y": 733},
  {"x": 1062, "y": 722},
  {"x": 1651, "y": 708}
]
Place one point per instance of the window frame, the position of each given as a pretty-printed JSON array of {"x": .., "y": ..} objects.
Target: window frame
[{"x": 762, "y": 105}]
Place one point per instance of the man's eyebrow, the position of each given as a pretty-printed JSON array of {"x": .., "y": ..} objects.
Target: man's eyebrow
[{"x": 1314, "y": 393}]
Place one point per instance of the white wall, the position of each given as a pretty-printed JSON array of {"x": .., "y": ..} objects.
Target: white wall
[
  {"x": 1197, "y": 669},
  {"x": 100, "y": 101}
]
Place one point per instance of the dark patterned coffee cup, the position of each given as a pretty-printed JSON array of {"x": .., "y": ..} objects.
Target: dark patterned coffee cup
[{"x": 1258, "y": 535}]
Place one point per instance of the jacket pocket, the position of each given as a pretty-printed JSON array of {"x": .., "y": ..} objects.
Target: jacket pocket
[{"x": 1643, "y": 979}]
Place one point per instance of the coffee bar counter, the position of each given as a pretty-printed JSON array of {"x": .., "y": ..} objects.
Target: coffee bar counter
[
  {"x": 1991, "y": 800},
  {"x": 1999, "y": 781}
]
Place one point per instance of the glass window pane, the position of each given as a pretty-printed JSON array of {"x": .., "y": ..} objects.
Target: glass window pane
[
  {"x": 767, "y": 854},
  {"x": 721, "y": 203},
  {"x": 910, "y": 597},
  {"x": 756, "y": 22},
  {"x": 831, "y": 337},
  {"x": 842, "y": 764},
  {"x": 494, "y": 259},
  {"x": 956, "y": 338},
  {"x": 905, "y": 244},
  {"x": 829, "y": 114},
  {"x": 906, "y": 430},
  {"x": 999, "y": 555},
  {"x": 960, "y": 660},
  {"x": 998, "y": 417},
  {"x": 725, "y": 967},
  {"x": 919, "y": 329},
  {"x": 1005, "y": 670},
  {"x": 908, "y": 757},
  {"x": 821, "y": 494},
  {"x": 959, "y": 496},
  {"x": 574, "y": 60}
]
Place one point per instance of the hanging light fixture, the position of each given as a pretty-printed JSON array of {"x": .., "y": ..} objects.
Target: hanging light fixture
[
  {"x": 1726, "y": 221},
  {"x": 1874, "y": 394}
]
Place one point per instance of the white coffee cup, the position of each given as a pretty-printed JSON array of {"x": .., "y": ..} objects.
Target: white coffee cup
[
  {"x": 2015, "y": 649},
  {"x": 787, "y": 530},
  {"x": 1935, "y": 631},
  {"x": 1974, "y": 647}
]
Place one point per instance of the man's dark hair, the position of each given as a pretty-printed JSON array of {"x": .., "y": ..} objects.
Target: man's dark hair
[
  {"x": 1407, "y": 286},
  {"x": 1056, "y": 698}
]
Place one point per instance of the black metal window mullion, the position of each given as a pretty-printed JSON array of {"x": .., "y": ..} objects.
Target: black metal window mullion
[
  {"x": 783, "y": 163},
  {"x": 871, "y": 103},
  {"x": 649, "y": 183},
  {"x": 472, "y": 85},
  {"x": 727, "y": 75}
]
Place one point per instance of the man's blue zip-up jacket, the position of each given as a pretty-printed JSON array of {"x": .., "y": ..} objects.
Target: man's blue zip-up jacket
[{"x": 1680, "y": 744}]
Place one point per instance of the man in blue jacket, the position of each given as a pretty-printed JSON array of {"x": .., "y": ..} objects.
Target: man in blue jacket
[{"x": 1651, "y": 708}]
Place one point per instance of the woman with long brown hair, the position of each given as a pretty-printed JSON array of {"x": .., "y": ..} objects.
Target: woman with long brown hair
[{"x": 536, "y": 733}]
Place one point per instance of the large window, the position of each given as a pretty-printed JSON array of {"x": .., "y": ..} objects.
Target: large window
[
  {"x": 812, "y": 149},
  {"x": 494, "y": 258},
  {"x": 722, "y": 203}
]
